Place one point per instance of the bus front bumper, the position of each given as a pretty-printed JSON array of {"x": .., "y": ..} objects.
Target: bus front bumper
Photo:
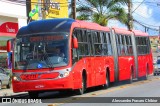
[{"x": 43, "y": 85}]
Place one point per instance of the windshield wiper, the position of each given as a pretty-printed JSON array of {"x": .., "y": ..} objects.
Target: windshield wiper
[{"x": 48, "y": 61}]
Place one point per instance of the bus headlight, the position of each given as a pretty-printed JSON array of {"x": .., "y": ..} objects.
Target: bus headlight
[
  {"x": 16, "y": 78},
  {"x": 64, "y": 74}
]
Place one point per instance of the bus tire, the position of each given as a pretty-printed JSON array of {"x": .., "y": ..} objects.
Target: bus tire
[
  {"x": 33, "y": 95},
  {"x": 82, "y": 90},
  {"x": 106, "y": 85}
]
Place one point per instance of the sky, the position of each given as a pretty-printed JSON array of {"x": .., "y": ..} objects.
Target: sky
[{"x": 147, "y": 12}]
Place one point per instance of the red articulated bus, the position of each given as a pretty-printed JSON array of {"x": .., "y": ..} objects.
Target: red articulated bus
[{"x": 67, "y": 54}]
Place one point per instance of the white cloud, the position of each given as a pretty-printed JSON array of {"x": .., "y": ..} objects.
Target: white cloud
[
  {"x": 142, "y": 13},
  {"x": 115, "y": 23},
  {"x": 142, "y": 10}
]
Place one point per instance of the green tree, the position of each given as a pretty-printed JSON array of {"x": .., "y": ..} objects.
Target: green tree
[{"x": 101, "y": 11}]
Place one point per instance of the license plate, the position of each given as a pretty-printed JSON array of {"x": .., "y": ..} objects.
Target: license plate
[{"x": 29, "y": 76}]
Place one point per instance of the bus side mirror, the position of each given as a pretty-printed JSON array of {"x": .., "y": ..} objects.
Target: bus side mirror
[
  {"x": 75, "y": 42},
  {"x": 8, "y": 46}
]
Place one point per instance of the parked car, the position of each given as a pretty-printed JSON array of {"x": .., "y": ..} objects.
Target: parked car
[
  {"x": 157, "y": 67},
  {"x": 5, "y": 79}
]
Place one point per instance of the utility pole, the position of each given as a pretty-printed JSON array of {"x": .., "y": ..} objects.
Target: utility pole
[
  {"x": 74, "y": 9},
  {"x": 130, "y": 20}
]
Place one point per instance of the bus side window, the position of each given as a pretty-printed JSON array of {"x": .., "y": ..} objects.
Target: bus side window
[
  {"x": 74, "y": 51},
  {"x": 130, "y": 50},
  {"x": 123, "y": 51}
]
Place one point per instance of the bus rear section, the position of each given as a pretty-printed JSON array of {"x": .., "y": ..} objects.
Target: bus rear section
[{"x": 144, "y": 54}]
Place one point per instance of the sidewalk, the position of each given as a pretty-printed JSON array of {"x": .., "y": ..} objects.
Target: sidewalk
[{"x": 9, "y": 92}]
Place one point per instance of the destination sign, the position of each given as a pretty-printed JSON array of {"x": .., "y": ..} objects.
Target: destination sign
[{"x": 45, "y": 38}]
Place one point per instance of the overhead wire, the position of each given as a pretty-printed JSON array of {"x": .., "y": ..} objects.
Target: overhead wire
[
  {"x": 142, "y": 24},
  {"x": 138, "y": 6}
]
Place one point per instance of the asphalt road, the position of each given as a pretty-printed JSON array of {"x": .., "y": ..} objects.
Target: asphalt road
[{"x": 98, "y": 96}]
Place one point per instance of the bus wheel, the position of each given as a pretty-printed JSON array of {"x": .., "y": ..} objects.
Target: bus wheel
[
  {"x": 33, "y": 95},
  {"x": 106, "y": 85},
  {"x": 81, "y": 90}
]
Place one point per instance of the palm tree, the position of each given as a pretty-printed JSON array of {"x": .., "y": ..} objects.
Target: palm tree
[{"x": 101, "y": 11}]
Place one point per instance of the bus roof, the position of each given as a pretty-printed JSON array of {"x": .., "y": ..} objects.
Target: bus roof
[
  {"x": 57, "y": 25},
  {"x": 64, "y": 25},
  {"x": 121, "y": 31},
  {"x": 90, "y": 25},
  {"x": 49, "y": 25},
  {"x": 139, "y": 33}
]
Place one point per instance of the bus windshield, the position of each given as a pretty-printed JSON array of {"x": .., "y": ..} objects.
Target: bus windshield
[{"x": 41, "y": 51}]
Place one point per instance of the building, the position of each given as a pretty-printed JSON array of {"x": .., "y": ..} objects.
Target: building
[
  {"x": 155, "y": 43},
  {"x": 12, "y": 17},
  {"x": 48, "y": 9}
]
